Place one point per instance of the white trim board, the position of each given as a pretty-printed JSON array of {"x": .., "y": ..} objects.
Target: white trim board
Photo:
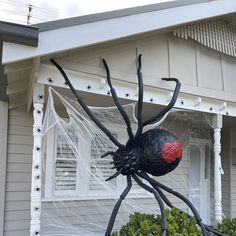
[
  {"x": 62, "y": 39},
  {"x": 160, "y": 95}
]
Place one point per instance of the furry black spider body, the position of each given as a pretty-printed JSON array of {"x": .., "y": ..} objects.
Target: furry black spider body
[{"x": 156, "y": 152}]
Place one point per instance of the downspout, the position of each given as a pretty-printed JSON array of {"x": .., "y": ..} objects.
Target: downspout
[{"x": 3, "y": 141}]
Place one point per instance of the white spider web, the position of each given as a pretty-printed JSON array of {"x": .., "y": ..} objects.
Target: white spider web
[{"x": 76, "y": 199}]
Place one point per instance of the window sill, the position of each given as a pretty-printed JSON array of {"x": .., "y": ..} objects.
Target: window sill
[{"x": 94, "y": 198}]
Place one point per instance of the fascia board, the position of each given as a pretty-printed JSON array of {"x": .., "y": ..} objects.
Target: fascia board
[
  {"x": 21, "y": 34},
  {"x": 84, "y": 19}
]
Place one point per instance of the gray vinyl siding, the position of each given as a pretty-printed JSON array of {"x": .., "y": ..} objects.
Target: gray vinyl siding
[{"x": 18, "y": 179}]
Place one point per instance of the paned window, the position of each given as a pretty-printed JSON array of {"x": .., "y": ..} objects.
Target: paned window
[{"x": 66, "y": 175}]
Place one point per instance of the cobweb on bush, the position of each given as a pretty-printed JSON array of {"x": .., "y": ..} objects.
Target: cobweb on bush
[{"x": 76, "y": 199}]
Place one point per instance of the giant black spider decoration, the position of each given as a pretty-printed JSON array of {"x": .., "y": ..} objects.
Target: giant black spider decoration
[{"x": 156, "y": 151}]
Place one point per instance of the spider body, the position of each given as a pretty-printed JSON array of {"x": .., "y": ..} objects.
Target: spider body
[{"x": 156, "y": 152}]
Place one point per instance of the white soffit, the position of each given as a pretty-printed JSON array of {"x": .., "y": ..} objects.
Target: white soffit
[{"x": 62, "y": 39}]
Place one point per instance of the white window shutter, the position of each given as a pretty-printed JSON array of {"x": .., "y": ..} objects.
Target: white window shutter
[
  {"x": 65, "y": 175},
  {"x": 101, "y": 168},
  {"x": 65, "y": 163}
]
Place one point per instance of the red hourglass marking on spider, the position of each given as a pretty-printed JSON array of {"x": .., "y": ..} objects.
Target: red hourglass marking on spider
[{"x": 171, "y": 151}]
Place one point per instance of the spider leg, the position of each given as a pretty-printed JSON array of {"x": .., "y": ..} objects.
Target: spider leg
[
  {"x": 107, "y": 154},
  {"x": 169, "y": 204},
  {"x": 115, "y": 175},
  {"x": 117, "y": 206},
  {"x": 117, "y": 102},
  {"x": 115, "y": 162},
  {"x": 85, "y": 107},
  {"x": 116, "y": 166},
  {"x": 163, "y": 196},
  {"x": 169, "y": 106},
  {"x": 140, "y": 97},
  {"x": 183, "y": 198},
  {"x": 110, "y": 153},
  {"x": 159, "y": 200}
]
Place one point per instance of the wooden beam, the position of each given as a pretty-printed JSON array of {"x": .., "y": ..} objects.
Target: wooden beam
[
  {"x": 94, "y": 71},
  {"x": 156, "y": 94}
]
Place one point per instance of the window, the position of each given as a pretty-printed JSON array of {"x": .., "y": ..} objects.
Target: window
[{"x": 67, "y": 176}]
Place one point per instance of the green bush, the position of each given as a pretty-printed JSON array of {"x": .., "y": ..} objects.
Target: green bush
[
  {"x": 228, "y": 227},
  {"x": 150, "y": 225}
]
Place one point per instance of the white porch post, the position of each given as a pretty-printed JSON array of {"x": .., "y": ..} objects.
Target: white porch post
[
  {"x": 218, "y": 171},
  {"x": 38, "y": 100}
]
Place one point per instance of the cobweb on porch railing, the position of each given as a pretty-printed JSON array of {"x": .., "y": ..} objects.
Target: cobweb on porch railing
[{"x": 76, "y": 198}]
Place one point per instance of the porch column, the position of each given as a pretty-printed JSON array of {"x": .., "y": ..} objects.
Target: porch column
[
  {"x": 218, "y": 171},
  {"x": 38, "y": 99}
]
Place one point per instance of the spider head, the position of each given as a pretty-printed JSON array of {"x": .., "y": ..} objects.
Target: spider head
[{"x": 126, "y": 160}]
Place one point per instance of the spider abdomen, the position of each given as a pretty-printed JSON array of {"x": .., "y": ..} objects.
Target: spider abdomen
[
  {"x": 161, "y": 152},
  {"x": 156, "y": 152}
]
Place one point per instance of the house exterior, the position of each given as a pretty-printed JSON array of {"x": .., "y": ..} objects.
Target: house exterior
[{"x": 194, "y": 41}]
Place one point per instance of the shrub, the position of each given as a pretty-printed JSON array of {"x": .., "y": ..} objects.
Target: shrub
[
  {"x": 228, "y": 227},
  {"x": 150, "y": 225}
]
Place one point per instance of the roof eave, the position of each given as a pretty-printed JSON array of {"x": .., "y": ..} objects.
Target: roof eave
[
  {"x": 20, "y": 34},
  {"x": 87, "y": 34},
  {"x": 85, "y": 19}
]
